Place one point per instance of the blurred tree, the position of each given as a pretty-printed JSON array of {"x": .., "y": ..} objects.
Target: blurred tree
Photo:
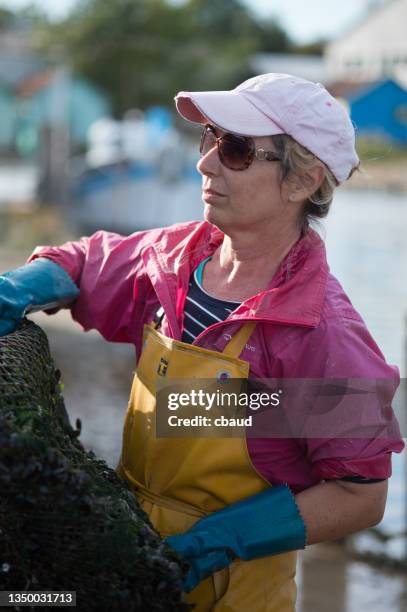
[
  {"x": 273, "y": 38},
  {"x": 141, "y": 52},
  {"x": 7, "y": 18},
  {"x": 315, "y": 47}
]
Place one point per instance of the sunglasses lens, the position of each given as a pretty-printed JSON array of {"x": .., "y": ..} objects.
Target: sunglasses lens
[
  {"x": 208, "y": 141},
  {"x": 235, "y": 152}
]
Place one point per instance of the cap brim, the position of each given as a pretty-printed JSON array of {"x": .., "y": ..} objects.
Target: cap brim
[{"x": 227, "y": 110}]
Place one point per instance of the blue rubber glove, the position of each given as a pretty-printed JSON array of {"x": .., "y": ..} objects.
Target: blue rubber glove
[
  {"x": 36, "y": 286},
  {"x": 265, "y": 524}
]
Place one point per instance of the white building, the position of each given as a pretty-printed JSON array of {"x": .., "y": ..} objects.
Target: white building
[
  {"x": 374, "y": 49},
  {"x": 311, "y": 67}
]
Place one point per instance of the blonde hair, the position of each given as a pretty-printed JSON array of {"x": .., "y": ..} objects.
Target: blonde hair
[{"x": 296, "y": 159}]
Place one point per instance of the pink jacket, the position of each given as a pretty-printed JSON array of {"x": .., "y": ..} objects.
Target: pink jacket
[{"x": 307, "y": 329}]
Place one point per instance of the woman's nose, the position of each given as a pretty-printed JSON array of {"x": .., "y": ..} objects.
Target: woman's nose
[{"x": 209, "y": 163}]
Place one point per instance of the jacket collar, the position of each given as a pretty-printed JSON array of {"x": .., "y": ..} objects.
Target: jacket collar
[{"x": 296, "y": 293}]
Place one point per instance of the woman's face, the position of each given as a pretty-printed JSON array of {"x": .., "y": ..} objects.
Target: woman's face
[{"x": 247, "y": 199}]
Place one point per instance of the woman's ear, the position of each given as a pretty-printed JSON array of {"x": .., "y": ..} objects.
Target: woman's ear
[{"x": 302, "y": 186}]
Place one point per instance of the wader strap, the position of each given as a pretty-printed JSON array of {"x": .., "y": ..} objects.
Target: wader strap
[
  {"x": 162, "y": 500},
  {"x": 236, "y": 345}
]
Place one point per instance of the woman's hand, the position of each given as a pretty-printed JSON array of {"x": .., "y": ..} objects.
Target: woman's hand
[
  {"x": 265, "y": 524},
  {"x": 40, "y": 284},
  {"x": 272, "y": 522}
]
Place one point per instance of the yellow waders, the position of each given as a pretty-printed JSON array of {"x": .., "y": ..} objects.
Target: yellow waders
[{"x": 179, "y": 480}]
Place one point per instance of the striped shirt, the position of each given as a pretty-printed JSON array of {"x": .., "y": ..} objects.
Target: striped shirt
[{"x": 201, "y": 309}]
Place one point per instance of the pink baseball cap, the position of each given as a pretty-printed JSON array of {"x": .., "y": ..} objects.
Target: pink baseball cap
[{"x": 273, "y": 103}]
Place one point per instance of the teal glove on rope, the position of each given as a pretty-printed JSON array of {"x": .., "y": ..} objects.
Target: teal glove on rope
[
  {"x": 268, "y": 523},
  {"x": 42, "y": 284}
]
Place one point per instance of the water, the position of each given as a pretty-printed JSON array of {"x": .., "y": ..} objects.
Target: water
[{"x": 366, "y": 239}]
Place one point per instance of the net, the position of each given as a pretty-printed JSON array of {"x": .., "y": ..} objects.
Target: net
[{"x": 67, "y": 521}]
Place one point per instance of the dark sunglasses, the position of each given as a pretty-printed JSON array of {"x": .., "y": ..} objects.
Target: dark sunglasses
[{"x": 235, "y": 152}]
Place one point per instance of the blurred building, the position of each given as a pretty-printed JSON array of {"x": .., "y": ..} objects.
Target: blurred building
[
  {"x": 55, "y": 97},
  {"x": 365, "y": 67},
  {"x": 311, "y": 67},
  {"x": 375, "y": 48},
  {"x": 45, "y": 114},
  {"x": 368, "y": 70},
  {"x": 17, "y": 61},
  {"x": 35, "y": 96},
  {"x": 378, "y": 109}
]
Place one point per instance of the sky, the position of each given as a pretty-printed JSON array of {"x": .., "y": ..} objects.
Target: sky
[{"x": 305, "y": 20}]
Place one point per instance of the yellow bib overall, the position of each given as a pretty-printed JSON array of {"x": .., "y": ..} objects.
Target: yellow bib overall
[{"x": 179, "y": 480}]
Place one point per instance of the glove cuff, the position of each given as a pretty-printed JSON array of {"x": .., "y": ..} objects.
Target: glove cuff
[{"x": 271, "y": 523}]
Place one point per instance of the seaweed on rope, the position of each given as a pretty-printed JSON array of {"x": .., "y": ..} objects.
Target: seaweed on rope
[{"x": 67, "y": 521}]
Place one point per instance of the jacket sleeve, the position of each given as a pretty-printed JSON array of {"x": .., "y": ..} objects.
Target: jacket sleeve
[
  {"x": 345, "y": 390},
  {"x": 107, "y": 268}
]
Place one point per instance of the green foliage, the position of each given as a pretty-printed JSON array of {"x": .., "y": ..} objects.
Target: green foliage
[
  {"x": 272, "y": 38},
  {"x": 315, "y": 47},
  {"x": 141, "y": 52},
  {"x": 7, "y": 18}
]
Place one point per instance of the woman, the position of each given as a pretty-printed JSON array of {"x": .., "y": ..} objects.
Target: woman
[{"x": 247, "y": 292}]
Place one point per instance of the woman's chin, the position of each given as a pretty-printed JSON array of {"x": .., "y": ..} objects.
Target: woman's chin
[
  {"x": 210, "y": 214},
  {"x": 214, "y": 218}
]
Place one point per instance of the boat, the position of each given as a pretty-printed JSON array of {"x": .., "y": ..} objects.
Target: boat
[{"x": 136, "y": 174}]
